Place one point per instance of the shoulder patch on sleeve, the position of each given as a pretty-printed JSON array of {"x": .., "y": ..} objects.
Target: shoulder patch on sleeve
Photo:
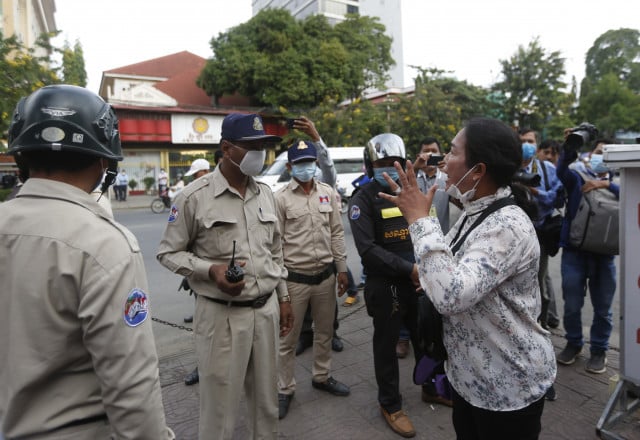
[
  {"x": 136, "y": 308},
  {"x": 354, "y": 212},
  {"x": 173, "y": 214}
]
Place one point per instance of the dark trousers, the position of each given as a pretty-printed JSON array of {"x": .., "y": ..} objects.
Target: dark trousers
[
  {"x": 472, "y": 423},
  {"x": 391, "y": 303},
  {"x": 307, "y": 324}
]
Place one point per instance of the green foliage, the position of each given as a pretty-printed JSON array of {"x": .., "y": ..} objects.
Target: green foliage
[
  {"x": 4, "y": 193},
  {"x": 533, "y": 91},
  {"x": 279, "y": 61},
  {"x": 73, "y": 70},
  {"x": 148, "y": 182},
  {"x": 22, "y": 71},
  {"x": 610, "y": 91},
  {"x": 438, "y": 108},
  {"x": 133, "y": 184}
]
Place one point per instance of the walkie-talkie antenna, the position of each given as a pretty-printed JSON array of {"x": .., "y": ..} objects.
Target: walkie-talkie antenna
[{"x": 233, "y": 256}]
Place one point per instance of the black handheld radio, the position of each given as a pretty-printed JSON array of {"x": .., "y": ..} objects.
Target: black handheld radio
[{"x": 234, "y": 273}]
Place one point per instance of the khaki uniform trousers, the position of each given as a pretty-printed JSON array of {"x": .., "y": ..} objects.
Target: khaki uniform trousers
[
  {"x": 237, "y": 347},
  {"x": 100, "y": 430},
  {"x": 322, "y": 298}
]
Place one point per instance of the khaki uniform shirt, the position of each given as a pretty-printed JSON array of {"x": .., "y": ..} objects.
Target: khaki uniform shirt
[
  {"x": 311, "y": 226},
  {"x": 207, "y": 216},
  {"x": 69, "y": 351}
]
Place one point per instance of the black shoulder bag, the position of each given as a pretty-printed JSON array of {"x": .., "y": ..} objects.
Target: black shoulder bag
[{"x": 429, "y": 319}]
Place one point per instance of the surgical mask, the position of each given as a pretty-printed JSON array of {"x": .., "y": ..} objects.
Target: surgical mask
[
  {"x": 597, "y": 166},
  {"x": 528, "y": 150},
  {"x": 454, "y": 191},
  {"x": 252, "y": 162},
  {"x": 391, "y": 171},
  {"x": 303, "y": 172}
]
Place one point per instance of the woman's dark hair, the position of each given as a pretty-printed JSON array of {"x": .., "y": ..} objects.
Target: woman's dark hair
[
  {"x": 495, "y": 144},
  {"x": 550, "y": 143}
]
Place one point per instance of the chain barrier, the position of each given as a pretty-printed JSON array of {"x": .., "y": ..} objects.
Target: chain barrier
[{"x": 171, "y": 324}]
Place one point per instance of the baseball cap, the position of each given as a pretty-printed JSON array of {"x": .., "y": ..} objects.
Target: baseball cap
[
  {"x": 243, "y": 127},
  {"x": 301, "y": 150},
  {"x": 198, "y": 165}
]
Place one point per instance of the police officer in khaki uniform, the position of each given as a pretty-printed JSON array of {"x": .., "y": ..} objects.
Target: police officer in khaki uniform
[
  {"x": 77, "y": 354},
  {"x": 313, "y": 247},
  {"x": 382, "y": 238},
  {"x": 237, "y": 323}
]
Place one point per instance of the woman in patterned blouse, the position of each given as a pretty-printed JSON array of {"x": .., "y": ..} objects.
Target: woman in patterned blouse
[{"x": 500, "y": 360}]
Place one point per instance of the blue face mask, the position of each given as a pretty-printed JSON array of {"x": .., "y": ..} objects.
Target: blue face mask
[
  {"x": 303, "y": 172},
  {"x": 528, "y": 150},
  {"x": 597, "y": 166},
  {"x": 391, "y": 171}
]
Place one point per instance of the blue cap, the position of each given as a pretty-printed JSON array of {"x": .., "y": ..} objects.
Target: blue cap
[
  {"x": 302, "y": 150},
  {"x": 243, "y": 127}
]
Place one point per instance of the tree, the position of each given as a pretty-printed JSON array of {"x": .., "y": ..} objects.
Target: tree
[
  {"x": 278, "y": 61},
  {"x": 73, "y": 70},
  {"x": 21, "y": 72},
  {"x": 438, "y": 108},
  {"x": 610, "y": 91},
  {"x": 532, "y": 87}
]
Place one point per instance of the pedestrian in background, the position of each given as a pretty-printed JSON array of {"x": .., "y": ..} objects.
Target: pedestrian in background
[
  {"x": 77, "y": 353},
  {"x": 238, "y": 320},
  {"x": 120, "y": 187},
  {"x": 482, "y": 278}
]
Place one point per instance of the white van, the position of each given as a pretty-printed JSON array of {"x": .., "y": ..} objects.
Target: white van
[{"x": 348, "y": 162}]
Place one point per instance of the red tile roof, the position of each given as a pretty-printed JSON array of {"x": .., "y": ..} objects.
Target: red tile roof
[{"x": 180, "y": 70}]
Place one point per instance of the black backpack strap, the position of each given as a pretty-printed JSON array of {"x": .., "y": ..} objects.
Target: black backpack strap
[
  {"x": 544, "y": 172},
  {"x": 498, "y": 204}
]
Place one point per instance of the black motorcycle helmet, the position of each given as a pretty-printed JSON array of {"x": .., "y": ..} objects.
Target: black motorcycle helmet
[
  {"x": 383, "y": 146},
  {"x": 65, "y": 118}
]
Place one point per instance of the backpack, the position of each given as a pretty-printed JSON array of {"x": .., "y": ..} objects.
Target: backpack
[{"x": 595, "y": 226}]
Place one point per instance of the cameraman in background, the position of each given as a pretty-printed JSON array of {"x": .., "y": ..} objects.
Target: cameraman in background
[
  {"x": 548, "y": 193},
  {"x": 579, "y": 267}
]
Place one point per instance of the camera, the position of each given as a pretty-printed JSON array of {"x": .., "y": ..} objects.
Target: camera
[
  {"x": 290, "y": 123},
  {"x": 234, "y": 272},
  {"x": 434, "y": 160},
  {"x": 580, "y": 135},
  {"x": 527, "y": 179}
]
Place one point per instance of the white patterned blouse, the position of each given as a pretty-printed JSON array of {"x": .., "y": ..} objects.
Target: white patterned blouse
[{"x": 500, "y": 358}]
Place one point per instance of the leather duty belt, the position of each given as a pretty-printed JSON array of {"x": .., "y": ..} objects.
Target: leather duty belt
[
  {"x": 253, "y": 303},
  {"x": 313, "y": 280}
]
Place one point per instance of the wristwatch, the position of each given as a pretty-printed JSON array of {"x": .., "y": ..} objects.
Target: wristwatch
[{"x": 284, "y": 299}]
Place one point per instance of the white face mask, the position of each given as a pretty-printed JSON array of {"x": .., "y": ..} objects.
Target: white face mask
[
  {"x": 252, "y": 162},
  {"x": 454, "y": 191}
]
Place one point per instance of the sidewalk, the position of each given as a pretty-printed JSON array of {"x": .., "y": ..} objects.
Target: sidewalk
[
  {"x": 132, "y": 202},
  {"x": 315, "y": 415}
]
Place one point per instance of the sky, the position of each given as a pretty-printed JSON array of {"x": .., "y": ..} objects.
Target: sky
[{"x": 466, "y": 37}]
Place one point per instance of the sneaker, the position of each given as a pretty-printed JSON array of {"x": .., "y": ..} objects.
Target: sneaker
[
  {"x": 350, "y": 300},
  {"x": 597, "y": 363},
  {"x": 568, "y": 355},
  {"x": 361, "y": 285}
]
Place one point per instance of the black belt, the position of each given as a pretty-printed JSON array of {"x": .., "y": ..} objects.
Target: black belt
[
  {"x": 255, "y": 303},
  {"x": 312, "y": 279}
]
